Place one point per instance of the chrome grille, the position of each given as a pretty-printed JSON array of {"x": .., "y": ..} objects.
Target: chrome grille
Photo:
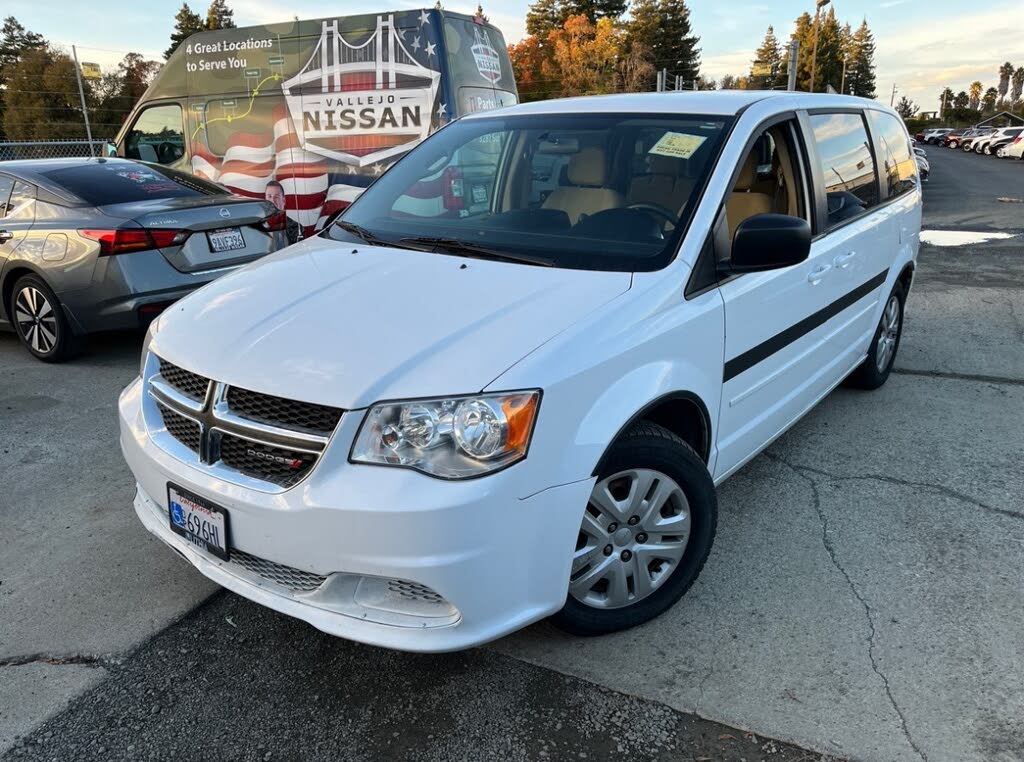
[
  {"x": 267, "y": 462},
  {"x": 278, "y": 411},
  {"x": 241, "y": 436},
  {"x": 185, "y": 430},
  {"x": 192, "y": 385},
  {"x": 279, "y": 574},
  {"x": 412, "y": 591}
]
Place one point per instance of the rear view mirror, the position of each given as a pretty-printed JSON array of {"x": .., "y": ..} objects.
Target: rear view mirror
[{"x": 768, "y": 242}]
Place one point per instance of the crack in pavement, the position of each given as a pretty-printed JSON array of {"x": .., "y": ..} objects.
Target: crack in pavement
[
  {"x": 941, "y": 489},
  {"x": 58, "y": 660},
  {"x": 868, "y": 614},
  {"x": 959, "y": 376}
]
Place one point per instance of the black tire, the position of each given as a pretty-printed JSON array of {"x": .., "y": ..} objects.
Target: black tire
[
  {"x": 52, "y": 323},
  {"x": 647, "y": 445},
  {"x": 868, "y": 375}
]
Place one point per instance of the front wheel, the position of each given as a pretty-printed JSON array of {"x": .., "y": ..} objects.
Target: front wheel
[
  {"x": 645, "y": 534},
  {"x": 954, "y": 144},
  {"x": 875, "y": 369}
]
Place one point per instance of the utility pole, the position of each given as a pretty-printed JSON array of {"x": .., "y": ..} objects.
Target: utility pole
[
  {"x": 814, "y": 54},
  {"x": 81, "y": 94},
  {"x": 942, "y": 106},
  {"x": 794, "y": 56},
  {"x": 892, "y": 98},
  {"x": 842, "y": 82}
]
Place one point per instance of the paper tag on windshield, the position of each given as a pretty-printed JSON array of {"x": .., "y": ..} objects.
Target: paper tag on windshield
[{"x": 678, "y": 145}]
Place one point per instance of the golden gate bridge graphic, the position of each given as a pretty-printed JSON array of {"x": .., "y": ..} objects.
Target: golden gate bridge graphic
[{"x": 361, "y": 103}]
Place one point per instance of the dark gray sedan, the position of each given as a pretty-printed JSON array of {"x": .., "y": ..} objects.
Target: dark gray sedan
[{"x": 99, "y": 244}]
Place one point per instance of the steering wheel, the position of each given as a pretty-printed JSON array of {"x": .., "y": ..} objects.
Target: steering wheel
[
  {"x": 662, "y": 212},
  {"x": 167, "y": 152}
]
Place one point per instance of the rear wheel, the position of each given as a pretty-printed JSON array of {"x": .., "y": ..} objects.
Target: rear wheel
[
  {"x": 954, "y": 144},
  {"x": 645, "y": 535},
  {"x": 39, "y": 320},
  {"x": 875, "y": 369}
]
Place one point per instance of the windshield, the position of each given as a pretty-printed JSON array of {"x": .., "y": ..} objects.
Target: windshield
[{"x": 585, "y": 191}]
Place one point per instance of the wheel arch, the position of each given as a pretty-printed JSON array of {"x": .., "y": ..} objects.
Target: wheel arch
[
  {"x": 10, "y": 277},
  {"x": 682, "y": 412}
]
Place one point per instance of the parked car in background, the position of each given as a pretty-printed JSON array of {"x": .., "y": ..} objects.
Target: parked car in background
[
  {"x": 967, "y": 141},
  {"x": 98, "y": 244},
  {"x": 923, "y": 167},
  {"x": 958, "y": 139},
  {"x": 935, "y": 135},
  {"x": 990, "y": 143},
  {"x": 349, "y": 446},
  {"x": 1014, "y": 149}
]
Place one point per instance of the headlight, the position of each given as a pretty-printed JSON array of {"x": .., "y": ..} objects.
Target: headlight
[
  {"x": 453, "y": 437},
  {"x": 150, "y": 333}
]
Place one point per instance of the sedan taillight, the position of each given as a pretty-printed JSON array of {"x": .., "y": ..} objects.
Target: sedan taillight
[{"x": 126, "y": 240}]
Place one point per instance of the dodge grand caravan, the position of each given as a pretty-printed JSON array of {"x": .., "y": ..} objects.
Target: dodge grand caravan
[{"x": 426, "y": 430}]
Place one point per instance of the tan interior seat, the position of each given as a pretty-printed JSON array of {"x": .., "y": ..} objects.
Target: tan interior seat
[
  {"x": 745, "y": 202},
  {"x": 657, "y": 185},
  {"x": 586, "y": 195}
]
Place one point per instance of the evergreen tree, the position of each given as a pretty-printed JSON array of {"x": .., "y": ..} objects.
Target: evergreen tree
[
  {"x": 42, "y": 97},
  {"x": 186, "y": 23},
  {"x": 663, "y": 28},
  {"x": 962, "y": 100},
  {"x": 906, "y": 108},
  {"x": 15, "y": 41},
  {"x": 860, "y": 63},
  {"x": 544, "y": 16},
  {"x": 768, "y": 60},
  {"x": 220, "y": 16},
  {"x": 729, "y": 82},
  {"x": 829, "y": 69},
  {"x": 803, "y": 32}
]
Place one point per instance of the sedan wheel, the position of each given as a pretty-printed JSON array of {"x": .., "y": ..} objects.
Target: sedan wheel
[
  {"x": 634, "y": 535},
  {"x": 39, "y": 321}
]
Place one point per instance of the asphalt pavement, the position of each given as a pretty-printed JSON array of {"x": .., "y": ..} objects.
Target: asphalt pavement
[{"x": 864, "y": 598}]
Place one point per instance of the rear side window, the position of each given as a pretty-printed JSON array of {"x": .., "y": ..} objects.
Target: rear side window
[
  {"x": 157, "y": 135},
  {"x": 6, "y": 183},
  {"x": 899, "y": 166},
  {"x": 20, "y": 206},
  {"x": 118, "y": 182},
  {"x": 847, "y": 166}
]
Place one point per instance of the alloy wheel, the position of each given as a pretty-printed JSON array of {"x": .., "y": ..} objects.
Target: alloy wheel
[
  {"x": 889, "y": 334},
  {"x": 36, "y": 320},
  {"x": 634, "y": 534}
]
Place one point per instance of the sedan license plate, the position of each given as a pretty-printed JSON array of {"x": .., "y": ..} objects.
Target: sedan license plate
[
  {"x": 226, "y": 239},
  {"x": 199, "y": 521}
]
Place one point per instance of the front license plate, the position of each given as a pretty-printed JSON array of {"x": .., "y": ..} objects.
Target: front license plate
[
  {"x": 226, "y": 239},
  {"x": 199, "y": 521}
]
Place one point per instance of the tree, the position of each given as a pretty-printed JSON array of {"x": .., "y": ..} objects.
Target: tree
[
  {"x": 768, "y": 61},
  {"x": 1018, "y": 84},
  {"x": 803, "y": 32},
  {"x": 219, "y": 16},
  {"x": 906, "y": 108},
  {"x": 42, "y": 97},
  {"x": 530, "y": 64},
  {"x": 15, "y": 40},
  {"x": 975, "y": 92},
  {"x": 962, "y": 100},
  {"x": 729, "y": 82},
  {"x": 829, "y": 69},
  {"x": 1005, "y": 72},
  {"x": 186, "y": 23},
  {"x": 988, "y": 101},
  {"x": 585, "y": 55},
  {"x": 663, "y": 27},
  {"x": 946, "y": 99},
  {"x": 545, "y": 16},
  {"x": 860, "y": 62}
]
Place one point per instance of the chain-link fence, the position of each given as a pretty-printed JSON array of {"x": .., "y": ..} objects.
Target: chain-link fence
[{"x": 51, "y": 149}]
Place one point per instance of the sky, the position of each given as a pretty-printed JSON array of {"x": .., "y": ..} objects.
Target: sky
[{"x": 923, "y": 46}]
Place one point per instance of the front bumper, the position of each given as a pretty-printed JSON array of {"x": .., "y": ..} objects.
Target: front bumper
[{"x": 498, "y": 561}]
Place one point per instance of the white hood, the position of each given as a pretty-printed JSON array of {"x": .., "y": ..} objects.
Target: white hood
[{"x": 319, "y": 323}]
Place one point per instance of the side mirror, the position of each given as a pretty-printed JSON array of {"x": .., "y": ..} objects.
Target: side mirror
[
  {"x": 768, "y": 242},
  {"x": 111, "y": 149}
]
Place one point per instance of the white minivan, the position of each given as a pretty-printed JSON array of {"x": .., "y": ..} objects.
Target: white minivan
[{"x": 432, "y": 425}]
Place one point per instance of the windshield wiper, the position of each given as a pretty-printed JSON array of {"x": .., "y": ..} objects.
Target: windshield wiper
[
  {"x": 361, "y": 232},
  {"x": 455, "y": 246}
]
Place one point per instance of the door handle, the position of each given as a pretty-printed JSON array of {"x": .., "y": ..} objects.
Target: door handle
[
  {"x": 843, "y": 260},
  {"x": 5, "y": 236},
  {"x": 814, "y": 276}
]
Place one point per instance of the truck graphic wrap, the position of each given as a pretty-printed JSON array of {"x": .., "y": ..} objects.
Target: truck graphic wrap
[{"x": 319, "y": 109}]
